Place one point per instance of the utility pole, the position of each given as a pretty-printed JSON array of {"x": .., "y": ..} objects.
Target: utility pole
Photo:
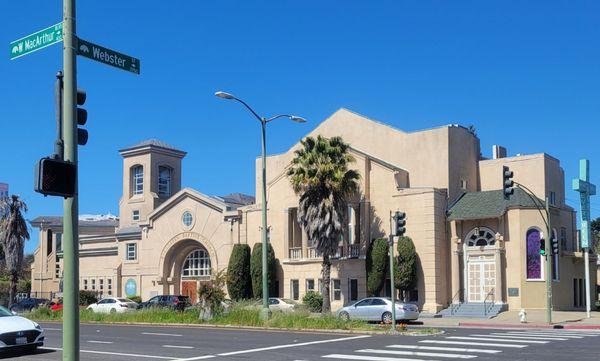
[
  {"x": 70, "y": 218},
  {"x": 549, "y": 257}
]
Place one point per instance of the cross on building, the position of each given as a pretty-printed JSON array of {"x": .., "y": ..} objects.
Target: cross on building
[{"x": 585, "y": 189}]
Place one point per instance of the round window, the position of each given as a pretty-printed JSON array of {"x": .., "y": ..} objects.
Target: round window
[{"x": 187, "y": 219}]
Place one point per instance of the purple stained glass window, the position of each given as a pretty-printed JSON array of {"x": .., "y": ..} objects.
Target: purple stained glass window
[{"x": 534, "y": 259}]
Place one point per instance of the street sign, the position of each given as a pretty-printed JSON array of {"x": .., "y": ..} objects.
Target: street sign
[
  {"x": 36, "y": 41},
  {"x": 107, "y": 56}
]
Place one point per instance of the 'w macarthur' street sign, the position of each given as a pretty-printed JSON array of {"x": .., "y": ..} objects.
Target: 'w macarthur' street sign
[
  {"x": 36, "y": 41},
  {"x": 107, "y": 56}
]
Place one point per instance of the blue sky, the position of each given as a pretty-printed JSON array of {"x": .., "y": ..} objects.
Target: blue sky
[{"x": 526, "y": 74}]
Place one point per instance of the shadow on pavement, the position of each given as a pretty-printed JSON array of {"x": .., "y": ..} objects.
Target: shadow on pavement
[{"x": 23, "y": 352}]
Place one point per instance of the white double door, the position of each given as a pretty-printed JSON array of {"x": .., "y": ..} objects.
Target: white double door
[{"x": 481, "y": 279}]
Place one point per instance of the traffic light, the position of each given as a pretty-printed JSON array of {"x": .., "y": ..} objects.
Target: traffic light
[
  {"x": 82, "y": 134},
  {"x": 554, "y": 242},
  {"x": 507, "y": 182},
  {"x": 399, "y": 223},
  {"x": 542, "y": 246},
  {"x": 55, "y": 177}
]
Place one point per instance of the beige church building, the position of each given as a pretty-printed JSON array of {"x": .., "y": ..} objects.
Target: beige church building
[{"x": 474, "y": 247}]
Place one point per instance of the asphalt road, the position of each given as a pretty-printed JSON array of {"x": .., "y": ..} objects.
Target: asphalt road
[{"x": 110, "y": 342}]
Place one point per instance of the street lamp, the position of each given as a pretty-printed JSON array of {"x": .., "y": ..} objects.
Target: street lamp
[{"x": 263, "y": 123}]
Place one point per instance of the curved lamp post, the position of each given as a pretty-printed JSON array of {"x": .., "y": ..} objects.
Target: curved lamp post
[{"x": 263, "y": 122}]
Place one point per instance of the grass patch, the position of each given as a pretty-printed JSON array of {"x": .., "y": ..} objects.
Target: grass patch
[{"x": 239, "y": 315}]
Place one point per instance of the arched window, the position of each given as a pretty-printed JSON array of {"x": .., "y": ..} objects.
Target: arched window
[
  {"x": 137, "y": 180},
  {"x": 164, "y": 181},
  {"x": 196, "y": 264},
  {"x": 534, "y": 259},
  {"x": 481, "y": 237}
]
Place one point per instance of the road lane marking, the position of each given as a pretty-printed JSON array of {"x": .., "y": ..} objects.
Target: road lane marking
[
  {"x": 562, "y": 333},
  {"x": 531, "y": 334},
  {"x": 176, "y": 346},
  {"x": 420, "y": 354},
  {"x": 493, "y": 339},
  {"x": 106, "y": 342},
  {"x": 112, "y": 353},
  {"x": 447, "y": 349},
  {"x": 51, "y": 329},
  {"x": 269, "y": 348},
  {"x": 522, "y": 337},
  {"x": 369, "y": 358},
  {"x": 473, "y": 343},
  {"x": 161, "y": 334}
]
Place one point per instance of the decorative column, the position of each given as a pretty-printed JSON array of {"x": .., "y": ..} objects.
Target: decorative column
[
  {"x": 286, "y": 233},
  {"x": 455, "y": 257}
]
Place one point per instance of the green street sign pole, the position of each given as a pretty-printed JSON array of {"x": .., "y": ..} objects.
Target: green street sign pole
[
  {"x": 392, "y": 285},
  {"x": 70, "y": 218},
  {"x": 549, "y": 259},
  {"x": 36, "y": 41}
]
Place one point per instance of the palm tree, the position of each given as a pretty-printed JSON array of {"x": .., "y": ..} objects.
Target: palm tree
[
  {"x": 320, "y": 176},
  {"x": 13, "y": 233}
]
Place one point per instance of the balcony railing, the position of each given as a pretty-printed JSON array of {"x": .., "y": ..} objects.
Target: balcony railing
[
  {"x": 354, "y": 251},
  {"x": 313, "y": 253},
  {"x": 296, "y": 253}
]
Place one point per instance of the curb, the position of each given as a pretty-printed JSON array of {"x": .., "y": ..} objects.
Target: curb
[{"x": 529, "y": 325}]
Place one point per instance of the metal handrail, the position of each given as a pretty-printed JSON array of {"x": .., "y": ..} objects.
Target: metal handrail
[
  {"x": 487, "y": 308},
  {"x": 454, "y": 306}
]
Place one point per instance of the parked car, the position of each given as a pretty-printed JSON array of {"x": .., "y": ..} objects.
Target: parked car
[
  {"x": 56, "y": 306},
  {"x": 178, "y": 303},
  {"x": 226, "y": 305},
  {"x": 378, "y": 309},
  {"x": 28, "y": 304},
  {"x": 278, "y": 304},
  {"x": 19, "y": 332},
  {"x": 113, "y": 305}
]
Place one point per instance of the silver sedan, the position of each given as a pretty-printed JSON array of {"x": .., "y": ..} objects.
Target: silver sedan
[{"x": 378, "y": 309}]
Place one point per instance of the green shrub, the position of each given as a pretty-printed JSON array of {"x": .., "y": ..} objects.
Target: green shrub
[
  {"x": 239, "y": 283},
  {"x": 405, "y": 265},
  {"x": 313, "y": 300},
  {"x": 597, "y": 305},
  {"x": 136, "y": 299},
  {"x": 256, "y": 270},
  {"x": 376, "y": 264},
  {"x": 87, "y": 297}
]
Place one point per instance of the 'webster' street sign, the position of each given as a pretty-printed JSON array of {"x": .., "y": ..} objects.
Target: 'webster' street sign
[
  {"x": 107, "y": 56},
  {"x": 36, "y": 41}
]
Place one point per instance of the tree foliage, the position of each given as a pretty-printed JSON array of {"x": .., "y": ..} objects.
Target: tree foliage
[
  {"x": 313, "y": 301},
  {"x": 13, "y": 234},
  {"x": 595, "y": 230},
  {"x": 212, "y": 294},
  {"x": 256, "y": 270},
  {"x": 405, "y": 267},
  {"x": 239, "y": 283},
  {"x": 376, "y": 263},
  {"x": 320, "y": 176}
]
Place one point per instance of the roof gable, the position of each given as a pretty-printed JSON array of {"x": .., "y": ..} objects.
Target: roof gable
[
  {"x": 211, "y": 202},
  {"x": 489, "y": 204}
]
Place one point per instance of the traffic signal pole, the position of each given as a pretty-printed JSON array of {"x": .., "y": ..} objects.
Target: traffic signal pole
[
  {"x": 70, "y": 218},
  {"x": 549, "y": 259}
]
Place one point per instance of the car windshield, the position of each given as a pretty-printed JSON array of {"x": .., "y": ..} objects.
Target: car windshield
[
  {"x": 5, "y": 312},
  {"x": 124, "y": 300}
]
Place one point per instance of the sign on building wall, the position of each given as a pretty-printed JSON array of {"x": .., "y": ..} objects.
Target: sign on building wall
[{"x": 131, "y": 288}]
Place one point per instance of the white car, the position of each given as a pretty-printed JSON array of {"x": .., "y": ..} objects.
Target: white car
[
  {"x": 281, "y": 304},
  {"x": 17, "y": 332},
  {"x": 113, "y": 305}
]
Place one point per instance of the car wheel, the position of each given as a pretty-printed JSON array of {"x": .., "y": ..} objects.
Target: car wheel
[
  {"x": 113, "y": 310},
  {"x": 386, "y": 317},
  {"x": 344, "y": 316}
]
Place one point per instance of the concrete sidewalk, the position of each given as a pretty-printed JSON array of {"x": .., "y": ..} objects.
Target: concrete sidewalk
[{"x": 510, "y": 319}]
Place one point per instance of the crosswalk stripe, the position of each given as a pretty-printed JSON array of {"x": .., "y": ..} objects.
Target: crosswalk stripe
[
  {"x": 573, "y": 333},
  {"x": 369, "y": 358},
  {"x": 492, "y": 339},
  {"x": 521, "y": 337},
  {"x": 537, "y": 334},
  {"x": 473, "y": 343},
  {"x": 447, "y": 349},
  {"x": 413, "y": 353}
]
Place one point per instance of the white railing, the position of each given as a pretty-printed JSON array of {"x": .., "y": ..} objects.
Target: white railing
[
  {"x": 313, "y": 253},
  {"x": 339, "y": 252},
  {"x": 296, "y": 253}
]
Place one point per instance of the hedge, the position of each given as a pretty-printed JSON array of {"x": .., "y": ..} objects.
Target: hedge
[
  {"x": 405, "y": 267},
  {"x": 376, "y": 264},
  {"x": 256, "y": 270},
  {"x": 239, "y": 283}
]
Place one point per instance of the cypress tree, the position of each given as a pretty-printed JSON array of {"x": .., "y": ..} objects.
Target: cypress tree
[{"x": 239, "y": 284}]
